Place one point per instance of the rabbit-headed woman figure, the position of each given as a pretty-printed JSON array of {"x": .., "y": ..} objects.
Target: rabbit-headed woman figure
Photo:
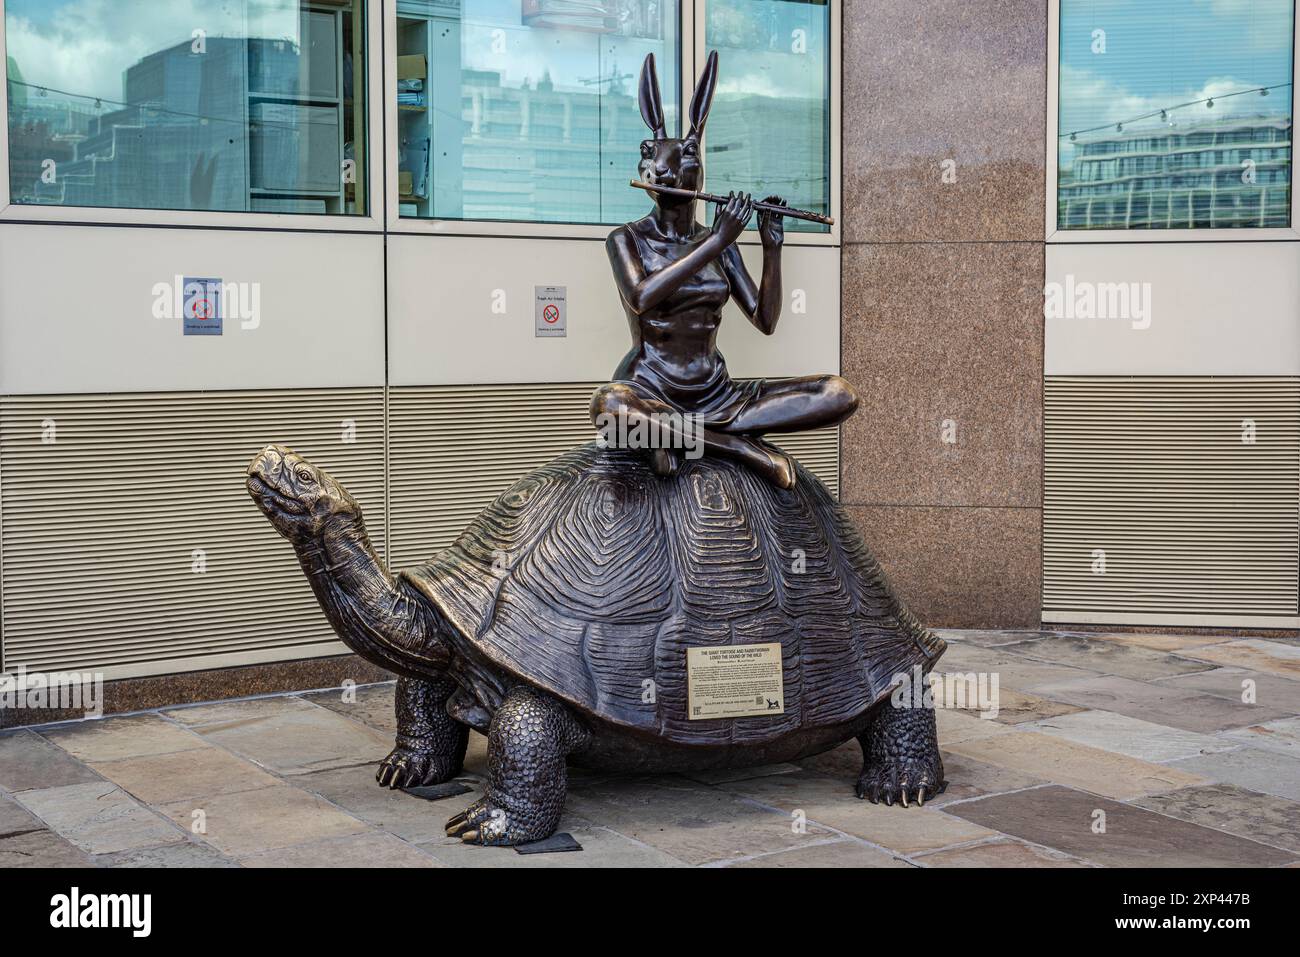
[{"x": 674, "y": 276}]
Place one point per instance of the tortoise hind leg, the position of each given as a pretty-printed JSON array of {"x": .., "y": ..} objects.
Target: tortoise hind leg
[
  {"x": 430, "y": 743},
  {"x": 901, "y": 751},
  {"x": 530, "y": 737}
]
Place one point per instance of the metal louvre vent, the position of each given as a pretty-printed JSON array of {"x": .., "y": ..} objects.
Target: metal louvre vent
[
  {"x": 453, "y": 449},
  {"x": 1188, "y": 485},
  {"x": 99, "y": 526}
]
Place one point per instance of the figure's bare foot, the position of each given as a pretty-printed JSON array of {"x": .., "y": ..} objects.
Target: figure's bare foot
[
  {"x": 780, "y": 471},
  {"x": 665, "y": 462}
]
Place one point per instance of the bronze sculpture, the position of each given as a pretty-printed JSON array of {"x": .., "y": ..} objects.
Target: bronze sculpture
[
  {"x": 674, "y": 276},
  {"x": 667, "y": 615}
]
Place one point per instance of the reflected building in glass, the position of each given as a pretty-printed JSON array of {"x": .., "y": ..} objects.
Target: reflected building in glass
[
  {"x": 1233, "y": 172},
  {"x": 228, "y": 123}
]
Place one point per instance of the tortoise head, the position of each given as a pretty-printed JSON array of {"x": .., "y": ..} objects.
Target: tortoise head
[{"x": 299, "y": 498}]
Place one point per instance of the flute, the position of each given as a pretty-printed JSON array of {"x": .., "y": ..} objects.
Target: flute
[{"x": 722, "y": 201}]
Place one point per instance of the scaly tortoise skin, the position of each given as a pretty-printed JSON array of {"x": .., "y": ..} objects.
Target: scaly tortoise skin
[{"x": 557, "y": 624}]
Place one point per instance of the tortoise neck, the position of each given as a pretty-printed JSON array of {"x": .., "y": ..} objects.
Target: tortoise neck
[{"x": 375, "y": 615}]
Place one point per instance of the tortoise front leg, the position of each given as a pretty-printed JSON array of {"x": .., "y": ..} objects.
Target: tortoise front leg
[
  {"x": 430, "y": 743},
  {"x": 531, "y": 736}
]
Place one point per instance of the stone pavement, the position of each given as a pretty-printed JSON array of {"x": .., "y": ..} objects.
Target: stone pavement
[{"x": 1107, "y": 750}]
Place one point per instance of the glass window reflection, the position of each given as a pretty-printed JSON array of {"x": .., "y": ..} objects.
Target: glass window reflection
[
  {"x": 769, "y": 130},
  {"x": 526, "y": 110},
  {"x": 255, "y": 106},
  {"x": 1175, "y": 115}
]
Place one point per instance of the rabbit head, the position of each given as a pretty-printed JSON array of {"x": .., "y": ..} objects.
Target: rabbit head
[{"x": 674, "y": 162}]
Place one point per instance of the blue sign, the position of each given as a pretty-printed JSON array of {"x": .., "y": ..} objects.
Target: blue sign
[{"x": 201, "y": 307}]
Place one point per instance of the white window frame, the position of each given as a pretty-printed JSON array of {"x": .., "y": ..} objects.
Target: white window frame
[
  {"x": 371, "y": 222},
  {"x": 691, "y": 37},
  {"x": 381, "y": 166},
  {"x": 1057, "y": 235}
]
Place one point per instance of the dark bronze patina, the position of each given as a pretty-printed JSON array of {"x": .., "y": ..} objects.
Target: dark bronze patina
[
  {"x": 558, "y": 623},
  {"x": 674, "y": 276}
]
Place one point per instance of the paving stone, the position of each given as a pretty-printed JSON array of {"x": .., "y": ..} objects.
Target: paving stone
[
  {"x": 1282, "y": 736},
  {"x": 845, "y": 853},
  {"x": 1015, "y": 672},
  {"x": 29, "y": 761},
  {"x": 954, "y": 726},
  {"x": 166, "y": 778},
  {"x": 1064, "y": 762},
  {"x": 371, "y": 849},
  {"x": 248, "y": 822},
  {"x": 1162, "y": 702},
  {"x": 1063, "y": 819},
  {"x": 988, "y": 639},
  {"x": 687, "y": 821},
  {"x": 968, "y": 778},
  {"x": 99, "y": 817},
  {"x": 1271, "y": 657},
  {"x": 744, "y": 774},
  {"x": 15, "y": 818},
  {"x": 476, "y": 761},
  {"x": 1016, "y": 707},
  {"x": 40, "y": 849},
  {"x": 831, "y": 802},
  {"x": 296, "y": 741},
  {"x": 1124, "y": 735},
  {"x": 1163, "y": 642},
  {"x": 409, "y": 817},
  {"x": 242, "y": 709},
  {"x": 1106, "y": 657},
  {"x": 844, "y": 762},
  {"x": 108, "y": 739},
  {"x": 1250, "y": 768},
  {"x": 1278, "y": 694},
  {"x": 373, "y": 705},
  {"x": 601, "y": 847},
  {"x": 1225, "y": 807},
  {"x": 999, "y": 853},
  {"x": 187, "y": 854}
]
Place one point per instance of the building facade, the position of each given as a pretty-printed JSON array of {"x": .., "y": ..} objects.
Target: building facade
[{"x": 1066, "y": 288}]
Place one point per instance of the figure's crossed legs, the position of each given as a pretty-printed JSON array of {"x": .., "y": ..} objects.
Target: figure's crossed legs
[{"x": 789, "y": 405}]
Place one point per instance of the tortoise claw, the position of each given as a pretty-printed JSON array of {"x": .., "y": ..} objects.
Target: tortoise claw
[{"x": 920, "y": 797}]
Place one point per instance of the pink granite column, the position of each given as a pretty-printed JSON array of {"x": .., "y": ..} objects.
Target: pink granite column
[{"x": 943, "y": 173}]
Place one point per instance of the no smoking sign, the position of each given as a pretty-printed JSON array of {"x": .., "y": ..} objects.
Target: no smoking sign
[{"x": 549, "y": 311}]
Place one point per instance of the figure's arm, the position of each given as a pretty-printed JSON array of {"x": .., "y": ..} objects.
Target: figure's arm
[
  {"x": 642, "y": 292},
  {"x": 761, "y": 304}
]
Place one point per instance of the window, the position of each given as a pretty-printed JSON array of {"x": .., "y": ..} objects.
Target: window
[
  {"x": 257, "y": 106},
  {"x": 769, "y": 129},
  {"x": 526, "y": 110},
  {"x": 1152, "y": 95}
]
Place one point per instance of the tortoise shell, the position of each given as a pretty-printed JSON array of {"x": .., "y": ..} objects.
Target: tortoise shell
[{"x": 592, "y": 574}]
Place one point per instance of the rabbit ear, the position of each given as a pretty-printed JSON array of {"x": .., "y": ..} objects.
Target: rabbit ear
[
  {"x": 702, "y": 99},
  {"x": 652, "y": 110}
]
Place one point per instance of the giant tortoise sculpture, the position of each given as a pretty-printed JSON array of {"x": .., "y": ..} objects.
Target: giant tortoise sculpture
[{"x": 559, "y": 625}]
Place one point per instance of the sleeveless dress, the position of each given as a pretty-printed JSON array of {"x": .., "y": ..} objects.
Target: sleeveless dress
[{"x": 714, "y": 395}]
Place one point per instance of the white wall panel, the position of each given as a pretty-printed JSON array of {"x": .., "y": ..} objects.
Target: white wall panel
[
  {"x": 442, "y": 329},
  {"x": 1229, "y": 308},
  {"x": 76, "y": 310}
]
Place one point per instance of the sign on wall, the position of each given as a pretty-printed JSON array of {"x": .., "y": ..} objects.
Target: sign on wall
[
  {"x": 201, "y": 307},
  {"x": 550, "y": 312}
]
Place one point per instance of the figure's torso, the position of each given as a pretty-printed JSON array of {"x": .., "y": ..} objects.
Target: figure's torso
[{"x": 674, "y": 344}]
